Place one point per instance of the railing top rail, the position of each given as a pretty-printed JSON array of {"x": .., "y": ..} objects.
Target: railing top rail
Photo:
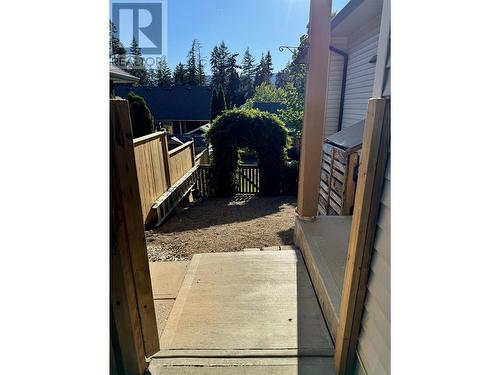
[
  {"x": 180, "y": 148},
  {"x": 148, "y": 137}
]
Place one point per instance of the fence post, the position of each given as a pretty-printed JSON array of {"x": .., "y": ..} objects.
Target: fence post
[
  {"x": 166, "y": 158},
  {"x": 131, "y": 290},
  {"x": 193, "y": 155}
]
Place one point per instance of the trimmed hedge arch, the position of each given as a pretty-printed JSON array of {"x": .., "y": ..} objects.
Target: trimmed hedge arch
[{"x": 260, "y": 131}]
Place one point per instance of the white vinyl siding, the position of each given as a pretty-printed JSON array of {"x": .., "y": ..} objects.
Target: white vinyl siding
[
  {"x": 374, "y": 342},
  {"x": 335, "y": 68},
  {"x": 362, "y": 48}
]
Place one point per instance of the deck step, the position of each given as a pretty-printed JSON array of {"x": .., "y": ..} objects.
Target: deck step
[{"x": 323, "y": 243}]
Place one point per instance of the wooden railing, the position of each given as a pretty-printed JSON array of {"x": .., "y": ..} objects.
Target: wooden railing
[
  {"x": 181, "y": 161},
  {"x": 159, "y": 169}
]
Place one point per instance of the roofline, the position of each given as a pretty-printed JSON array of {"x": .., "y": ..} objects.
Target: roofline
[
  {"x": 345, "y": 12},
  {"x": 122, "y": 77}
]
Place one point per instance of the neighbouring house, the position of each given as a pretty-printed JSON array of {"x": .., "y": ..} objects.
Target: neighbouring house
[
  {"x": 119, "y": 76},
  {"x": 179, "y": 109},
  {"x": 271, "y": 107}
]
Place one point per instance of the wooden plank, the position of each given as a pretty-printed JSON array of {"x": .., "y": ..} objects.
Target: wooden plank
[
  {"x": 349, "y": 186},
  {"x": 371, "y": 175},
  {"x": 128, "y": 228}
]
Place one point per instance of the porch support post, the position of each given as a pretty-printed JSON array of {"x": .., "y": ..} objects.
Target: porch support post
[{"x": 314, "y": 109}]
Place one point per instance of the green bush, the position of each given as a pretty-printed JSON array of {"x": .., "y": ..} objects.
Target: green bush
[
  {"x": 260, "y": 131},
  {"x": 140, "y": 115},
  {"x": 290, "y": 178}
]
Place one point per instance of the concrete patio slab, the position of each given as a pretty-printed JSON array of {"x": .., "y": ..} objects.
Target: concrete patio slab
[
  {"x": 249, "y": 366},
  {"x": 245, "y": 301},
  {"x": 162, "y": 311},
  {"x": 167, "y": 277}
]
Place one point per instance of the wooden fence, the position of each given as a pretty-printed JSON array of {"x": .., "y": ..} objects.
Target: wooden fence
[
  {"x": 247, "y": 175},
  {"x": 159, "y": 169},
  {"x": 181, "y": 161}
]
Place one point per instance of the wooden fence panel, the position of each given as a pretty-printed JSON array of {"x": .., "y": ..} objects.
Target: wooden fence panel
[
  {"x": 181, "y": 161},
  {"x": 152, "y": 169}
]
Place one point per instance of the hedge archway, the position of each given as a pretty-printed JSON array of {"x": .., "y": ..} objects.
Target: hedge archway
[{"x": 260, "y": 131}]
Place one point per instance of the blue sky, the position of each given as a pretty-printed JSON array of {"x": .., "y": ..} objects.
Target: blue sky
[{"x": 260, "y": 25}]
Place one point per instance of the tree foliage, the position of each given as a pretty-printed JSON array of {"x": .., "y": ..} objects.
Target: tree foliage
[
  {"x": 117, "y": 52},
  {"x": 140, "y": 115},
  {"x": 247, "y": 76},
  {"x": 260, "y": 131},
  {"x": 163, "y": 76},
  {"x": 179, "y": 77},
  {"x": 137, "y": 67},
  {"x": 264, "y": 70}
]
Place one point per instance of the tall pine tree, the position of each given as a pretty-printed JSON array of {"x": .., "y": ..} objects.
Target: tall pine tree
[
  {"x": 163, "y": 77},
  {"x": 247, "y": 75},
  {"x": 179, "y": 75},
  {"x": 233, "y": 83},
  {"x": 191, "y": 76},
  {"x": 219, "y": 60},
  {"x": 117, "y": 52},
  {"x": 137, "y": 67},
  {"x": 200, "y": 68},
  {"x": 264, "y": 70}
]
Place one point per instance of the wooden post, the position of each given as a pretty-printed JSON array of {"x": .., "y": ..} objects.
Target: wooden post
[
  {"x": 314, "y": 109},
  {"x": 166, "y": 158},
  {"x": 131, "y": 291},
  {"x": 368, "y": 193}
]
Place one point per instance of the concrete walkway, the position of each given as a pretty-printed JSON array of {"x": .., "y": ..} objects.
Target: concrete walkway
[{"x": 252, "y": 312}]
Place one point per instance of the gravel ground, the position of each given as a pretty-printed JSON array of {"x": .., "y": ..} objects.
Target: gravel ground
[{"x": 220, "y": 225}]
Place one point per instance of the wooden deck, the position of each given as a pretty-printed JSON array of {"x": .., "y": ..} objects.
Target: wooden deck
[{"x": 323, "y": 243}]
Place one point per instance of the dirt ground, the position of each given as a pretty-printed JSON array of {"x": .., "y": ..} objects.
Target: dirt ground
[{"x": 220, "y": 225}]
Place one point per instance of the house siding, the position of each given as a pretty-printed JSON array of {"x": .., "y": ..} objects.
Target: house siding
[
  {"x": 374, "y": 341},
  {"x": 361, "y": 46},
  {"x": 335, "y": 67},
  {"x": 360, "y": 72}
]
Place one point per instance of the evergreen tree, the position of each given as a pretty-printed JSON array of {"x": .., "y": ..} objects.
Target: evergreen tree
[
  {"x": 200, "y": 68},
  {"x": 191, "y": 66},
  {"x": 163, "y": 77},
  {"x": 259, "y": 73},
  {"x": 214, "y": 102},
  {"x": 247, "y": 76},
  {"x": 233, "y": 84},
  {"x": 219, "y": 63},
  {"x": 140, "y": 116},
  {"x": 264, "y": 70},
  {"x": 222, "y": 106},
  {"x": 137, "y": 67},
  {"x": 117, "y": 52},
  {"x": 179, "y": 75},
  {"x": 150, "y": 79}
]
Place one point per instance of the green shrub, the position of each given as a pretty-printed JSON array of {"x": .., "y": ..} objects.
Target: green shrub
[
  {"x": 290, "y": 178},
  {"x": 140, "y": 115},
  {"x": 260, "y": 131}
]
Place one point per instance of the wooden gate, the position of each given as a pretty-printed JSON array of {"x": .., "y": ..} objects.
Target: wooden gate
[
  {"x": 248, "y": 176},
  {"x": 247, "y": 180}
]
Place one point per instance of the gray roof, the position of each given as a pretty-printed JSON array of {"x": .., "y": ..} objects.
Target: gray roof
[
  {"x": 349, "y": 138},
  {"x": 118, "y": 75}
]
